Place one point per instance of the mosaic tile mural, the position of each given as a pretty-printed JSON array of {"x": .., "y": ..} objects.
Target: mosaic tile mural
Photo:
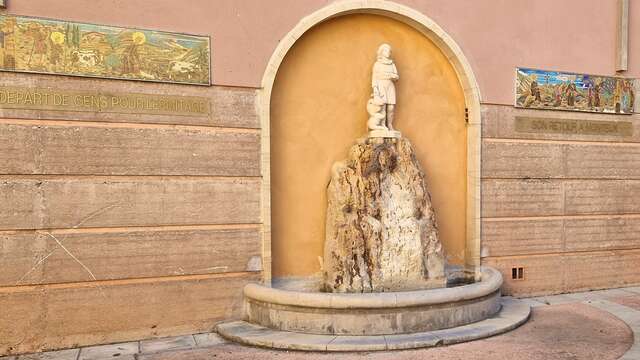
[
  {"x": 541, "y": 89},
  {"x": 47, "y": 46}
]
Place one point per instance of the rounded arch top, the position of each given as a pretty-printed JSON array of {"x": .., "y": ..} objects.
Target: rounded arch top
[{"x": 402, "y": 13}]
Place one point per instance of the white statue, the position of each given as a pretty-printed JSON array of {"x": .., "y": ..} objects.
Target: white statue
[{"x": 381, "y": 106}]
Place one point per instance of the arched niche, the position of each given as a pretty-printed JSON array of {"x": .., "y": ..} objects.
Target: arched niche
[{"x": 312, "y": 109}]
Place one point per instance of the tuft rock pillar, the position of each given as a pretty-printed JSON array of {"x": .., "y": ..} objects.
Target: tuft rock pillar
[{"x": 381, "y": 232}]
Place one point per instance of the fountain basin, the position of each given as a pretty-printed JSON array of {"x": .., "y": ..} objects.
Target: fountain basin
[
  {"x": 374, "y": 313},
  {"x": 315, "y": 321}
]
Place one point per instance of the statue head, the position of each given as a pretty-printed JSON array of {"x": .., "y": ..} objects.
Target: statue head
[{"x": 384, "y": 51}]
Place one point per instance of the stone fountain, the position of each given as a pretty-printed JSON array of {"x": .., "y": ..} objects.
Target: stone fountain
[
  {"x": 384, "y": 284},
  {"x": 381, "y": 233}
]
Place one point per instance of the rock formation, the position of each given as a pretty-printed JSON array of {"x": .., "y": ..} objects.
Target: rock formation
[{"x": 381, "y": 233}]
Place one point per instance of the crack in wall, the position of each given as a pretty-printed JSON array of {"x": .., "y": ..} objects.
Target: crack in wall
[{"x": 59, "y": 244}]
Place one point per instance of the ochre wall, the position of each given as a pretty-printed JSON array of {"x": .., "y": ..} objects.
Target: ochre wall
[{"x": 318, "y": 111}]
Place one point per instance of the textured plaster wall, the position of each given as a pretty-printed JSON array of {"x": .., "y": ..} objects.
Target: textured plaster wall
[
  {"x": 495, "y": 35},
  {"x": 306, "y": 139}
]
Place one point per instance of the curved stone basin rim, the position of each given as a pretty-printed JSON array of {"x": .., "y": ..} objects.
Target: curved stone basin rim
[{"x": 490, "y": 282}]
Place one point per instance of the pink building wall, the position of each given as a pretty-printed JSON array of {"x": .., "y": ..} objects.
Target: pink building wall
[{"x": 495, "y": 35}]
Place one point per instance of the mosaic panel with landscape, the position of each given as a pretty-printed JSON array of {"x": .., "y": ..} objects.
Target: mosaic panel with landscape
[
  {"x": 47, "y": 46},
  {"x": 542, "y": 89}
]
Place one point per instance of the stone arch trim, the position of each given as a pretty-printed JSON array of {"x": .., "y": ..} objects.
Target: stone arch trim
[{"x": 463, "y": 70}]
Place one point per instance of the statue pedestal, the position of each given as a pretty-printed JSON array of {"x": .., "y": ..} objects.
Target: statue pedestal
[{"x": 394, "y": 134}]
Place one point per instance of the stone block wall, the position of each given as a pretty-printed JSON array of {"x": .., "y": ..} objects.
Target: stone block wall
[
  {"x": 116, "y": 227},
  {"x": 564, "y": 206}
]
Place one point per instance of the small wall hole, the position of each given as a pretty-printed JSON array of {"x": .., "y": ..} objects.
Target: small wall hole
[{"x": 517, "y": 273}]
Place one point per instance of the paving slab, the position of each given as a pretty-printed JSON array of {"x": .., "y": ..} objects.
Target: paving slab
[
  {"x": 358, "y": 343},
  {"x": 303, "y": 342},
  {"x": 600, "y": 294},
  {"x": 110, "y": 351},
  {"x": 412, "y": 341},
  {"x": 635, "y": 289},
  {"x": 555, "y": 299},
  {"x": 70, "y": 354},
  {"x": 632, "y": 354},
  {"x": 208, "y": 339},
  {"x": 166, "y": 344},
  {"x": 533, "y": 303}
]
